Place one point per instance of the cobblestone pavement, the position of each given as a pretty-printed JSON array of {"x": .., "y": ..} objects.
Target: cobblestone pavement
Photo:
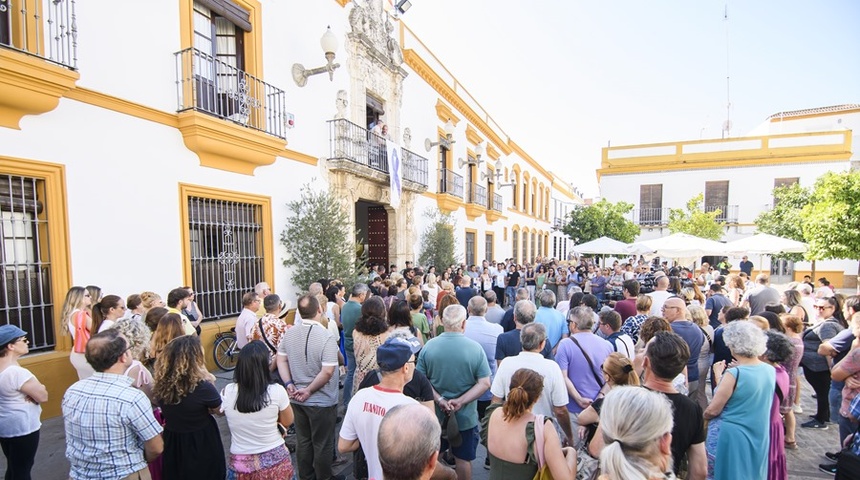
[{"x": 803, "y": 463}]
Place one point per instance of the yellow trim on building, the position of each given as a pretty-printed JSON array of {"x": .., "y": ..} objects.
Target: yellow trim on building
[
  {"x": 267, "y": 238},
  {"x": 528, "y": 158},
  {"x": 474, "y": 245},
  {"x": 748, "y": 157},
  {"x": 342, "y": 3},
  {"x": 30, "y": 86},
  {"x": 814, "y": 115},
  {"x": 116, "y": 104},
  {"x": 445, "y": 113},
  {"x": 472, "y": 135},
  {"x": 492, "y": 152},
  {"x": 52, "y": 368},
  {"x": 416, "y": 63}
]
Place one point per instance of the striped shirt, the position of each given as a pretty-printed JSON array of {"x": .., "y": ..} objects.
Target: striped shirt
[
  {"x": 309, "y": 347},
  {"x": 107, "y": 422}
]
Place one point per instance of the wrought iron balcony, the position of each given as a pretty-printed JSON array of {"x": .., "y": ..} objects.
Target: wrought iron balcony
[
  {"x": 209, "y": 85},
  {"x": 451, "y": 183},
  {"x": 478, "y": 194},
  {"x": 651, "y": 216},
  {"x": 497, "y": 203},
  {"x": 348, "y": 141},
  {"x": 47, "y": 29},
  {"x": 728, "y": 213}
]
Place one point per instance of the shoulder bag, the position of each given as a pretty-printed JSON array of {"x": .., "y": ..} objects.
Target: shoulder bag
[
  {"x": 265, "y": 339},
  {"x": 590, "y": 364}
]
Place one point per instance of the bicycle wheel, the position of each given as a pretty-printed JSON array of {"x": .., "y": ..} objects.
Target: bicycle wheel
[{"x": 225, "y": 352}]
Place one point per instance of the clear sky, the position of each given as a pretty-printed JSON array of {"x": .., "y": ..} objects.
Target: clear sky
[{"x": 564, "y": 78}]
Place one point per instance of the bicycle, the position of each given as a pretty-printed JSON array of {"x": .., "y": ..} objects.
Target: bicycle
[{"x": 225, "y": 351}]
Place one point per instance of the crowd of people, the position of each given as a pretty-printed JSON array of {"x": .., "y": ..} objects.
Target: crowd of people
[{"x": 579, "y": 370}]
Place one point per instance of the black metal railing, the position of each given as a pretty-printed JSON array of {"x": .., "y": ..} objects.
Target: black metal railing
[
  {"x": 728, "y": 213},
  {"x": 415, "y": 167},
  {"x": 450, "y": 182},
  {"x": 497, "y": 202},
  {"x": 209, "y": 85},
  {"x": 348, "y": 141},
  {"x": 651, "y": 216},
  {"x": 478, "y": 194},
  {"x": 44, "y": 28}
]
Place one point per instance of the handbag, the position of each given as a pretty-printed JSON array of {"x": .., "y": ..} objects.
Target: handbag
[
  {"x": 848, "y": 464},
  {"x": 587, "y": 467},
  {"x": 543, "y": 472}
]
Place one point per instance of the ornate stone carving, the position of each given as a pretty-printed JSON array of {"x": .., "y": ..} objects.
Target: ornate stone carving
[
  {"x": 407, "y": 138},
  {"x": 371, "y": 25},
  {"x": 341, "y": 102}
]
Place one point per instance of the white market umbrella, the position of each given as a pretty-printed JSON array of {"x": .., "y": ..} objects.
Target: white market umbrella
[
  {"x": 765, "y": 244},
  {"x": 602, "y": 245},
  {"x": 679, "y": 245}
]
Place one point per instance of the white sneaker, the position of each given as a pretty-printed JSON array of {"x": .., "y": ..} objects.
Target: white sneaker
[{"x": 797, "y": 409}]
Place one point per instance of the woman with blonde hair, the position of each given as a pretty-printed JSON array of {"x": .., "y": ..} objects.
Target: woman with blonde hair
[
  {"x": 637, "y": 431},
  {"x": 431, "y": 287},
  {"x": 79, "y": 324},
  {"x": 138, "y": 336},
  {"x": 514, "y": 433},
  {"x": 186, "y": 393},
  {"x": 169, "y": 327},
  {"x": 617, "y": 372},
  {"x": 700, "y": 318},
  {"x": 150, "y": 300}
]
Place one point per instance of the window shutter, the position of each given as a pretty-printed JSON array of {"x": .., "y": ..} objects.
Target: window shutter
[
  {"x": 717, "y": 194},
  {"x": 651, "y": 196},
  {"x": 231, "y": 11}
]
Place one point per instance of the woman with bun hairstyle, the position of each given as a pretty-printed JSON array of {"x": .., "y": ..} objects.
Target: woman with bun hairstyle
[{"x": 511, "y": 435}]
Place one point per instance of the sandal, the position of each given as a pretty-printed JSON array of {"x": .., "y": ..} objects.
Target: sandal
[{"x": 791, "y": 445}]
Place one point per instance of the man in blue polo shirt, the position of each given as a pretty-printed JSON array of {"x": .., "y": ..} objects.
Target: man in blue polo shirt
[{"x": 551, "y": 318}]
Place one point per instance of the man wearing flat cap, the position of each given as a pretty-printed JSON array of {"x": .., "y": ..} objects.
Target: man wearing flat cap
[{"x": 396, "y": 359}]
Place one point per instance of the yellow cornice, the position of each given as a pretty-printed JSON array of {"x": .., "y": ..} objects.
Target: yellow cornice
[
  {"x": 765, "y": 155},
  {"x": 342, "y": 3},
  {"x": 813, "y": 115},
  {"x": 493, "y": 215},
  {"x": 472, "y": 135},
  {"x": 492, "y": 152},
  {"x": 528, "y": 158},
  {"x": 226, "y": 146},
  {"x": 433, "y": 79},
  {"x": 30, "y": 86},
  {"x": 110, "y": 102},
  {"x": 445, "y": 113},
  {"x": 448, "y": 203},
  {"x": 474, "y": 210}
]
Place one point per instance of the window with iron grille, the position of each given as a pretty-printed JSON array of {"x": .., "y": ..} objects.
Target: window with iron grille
[
  {"x": 489, "y": 255},
  {"x": 25, "y": 284},
  {"x": 226, "y": 248},
  {"x": 470, "y": 248},
  {"x": 534, "y": 247},
  {"x": 525, "y": 242},
  {"x": 515, "y": 245}
]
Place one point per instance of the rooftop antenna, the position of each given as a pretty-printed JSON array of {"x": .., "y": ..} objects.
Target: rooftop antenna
[{"x": 727, "y": 125}]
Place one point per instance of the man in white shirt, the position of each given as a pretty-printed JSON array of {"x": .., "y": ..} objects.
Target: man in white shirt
[
  {"x": 553, "y": 399},
  {"x": 246, "y": 320},
  {"x": 660, "y": 294},
  {"x": 396, "y": 358}
]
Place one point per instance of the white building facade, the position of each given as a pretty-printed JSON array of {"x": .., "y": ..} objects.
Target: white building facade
[
  {"x": 736, "y": 176},
  {"x": 148, "y": 163}
]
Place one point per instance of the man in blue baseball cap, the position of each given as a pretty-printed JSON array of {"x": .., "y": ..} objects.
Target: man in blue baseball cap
[{"x": 396, "y": 359}]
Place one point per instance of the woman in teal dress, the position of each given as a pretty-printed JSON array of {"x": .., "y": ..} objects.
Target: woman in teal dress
[{"x": 739, "y": 415}]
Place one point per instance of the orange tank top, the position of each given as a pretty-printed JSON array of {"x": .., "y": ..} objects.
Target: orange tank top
[{"x": 82, "y": 334}]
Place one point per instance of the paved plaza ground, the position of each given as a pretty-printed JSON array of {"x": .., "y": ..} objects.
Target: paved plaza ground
[{"x": 803, "y": 463}]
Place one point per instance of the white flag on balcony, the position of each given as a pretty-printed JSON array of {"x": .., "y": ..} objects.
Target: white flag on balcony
[{"x": 395, "y": 170}]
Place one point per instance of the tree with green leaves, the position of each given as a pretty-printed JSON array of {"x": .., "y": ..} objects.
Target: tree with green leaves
[
  {"x": 785, "y": 219},
  {"x": 320, "y": 240},
  {"x": 831, "y": 217},
  {"x": 602, "y": 219},
  {"x": 437, "y": 241},
  {"x": 694, "y": 220}
]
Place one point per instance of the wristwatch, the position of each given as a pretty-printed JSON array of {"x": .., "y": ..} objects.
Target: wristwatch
[{"x": 440, "y": 399}]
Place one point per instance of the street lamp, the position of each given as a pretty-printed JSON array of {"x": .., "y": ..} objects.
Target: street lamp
[
  {"x": 445, "y": 142},
  {"x": 328, "y": 42}
]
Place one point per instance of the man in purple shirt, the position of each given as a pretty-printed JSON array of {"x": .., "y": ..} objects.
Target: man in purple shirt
[{"x": 580, "y": 357}]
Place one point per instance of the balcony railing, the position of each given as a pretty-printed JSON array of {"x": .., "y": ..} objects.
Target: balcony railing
[
  {"x": 651, "y": 216},
  {"x": 450, "y": 182},
  {"x": 48, "y": 29},
  {"x": 728, "y": 213},
  {"x": 348, "y": 141},
  {"x": 478, "y": 194},
  {"x": 497, "y": 202},
  {"x": 209, "y": 85}
]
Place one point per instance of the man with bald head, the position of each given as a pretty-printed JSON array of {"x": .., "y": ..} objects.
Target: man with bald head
[
  {"x": 660, "y": 293},
  {"x": 408, "y": 453},
  {"x": 760, "y": 295},
  {"x": 675, "y": 311}
]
